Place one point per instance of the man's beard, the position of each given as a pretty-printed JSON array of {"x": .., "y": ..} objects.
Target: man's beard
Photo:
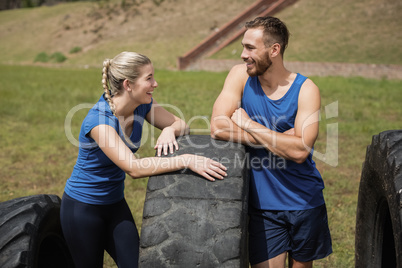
[{"x": 260, "y": 67}]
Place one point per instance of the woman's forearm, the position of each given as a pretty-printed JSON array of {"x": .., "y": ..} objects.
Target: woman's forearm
[
  {"x": 150, "y": 166},
  {"x": 203, "y": 166}
]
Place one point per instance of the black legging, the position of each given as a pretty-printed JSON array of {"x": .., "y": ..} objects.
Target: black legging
[{"x": 91, "y": 229}]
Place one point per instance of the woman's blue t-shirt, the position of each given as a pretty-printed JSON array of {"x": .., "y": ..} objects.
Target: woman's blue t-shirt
[{"x": 95, "y": 178}]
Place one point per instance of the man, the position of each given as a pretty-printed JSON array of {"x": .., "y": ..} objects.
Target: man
[{"x": 276, "y": 113}]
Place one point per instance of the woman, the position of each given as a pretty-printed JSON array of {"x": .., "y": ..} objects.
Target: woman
[{"x": 94, "y": 213}]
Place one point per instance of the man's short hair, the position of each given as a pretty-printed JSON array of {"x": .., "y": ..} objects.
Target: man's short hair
[{"x": 275, "y": 31}]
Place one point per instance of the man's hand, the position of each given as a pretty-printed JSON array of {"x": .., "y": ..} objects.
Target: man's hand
[{"x": 241, "y": 118}]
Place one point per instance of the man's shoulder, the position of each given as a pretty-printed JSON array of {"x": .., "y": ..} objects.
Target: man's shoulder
[
  {"x": 309, "y": 95},
  {"x": 240, "y": 69},
  {"x": 309, "y": 86},
  {"x": 238, "y": 75}
]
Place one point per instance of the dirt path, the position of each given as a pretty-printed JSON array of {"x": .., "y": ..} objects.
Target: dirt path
[{"x": 376, "y": 71}]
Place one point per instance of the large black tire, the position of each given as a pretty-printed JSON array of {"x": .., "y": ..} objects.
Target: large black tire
[
  {"x": 30, "y": 233},
  {"x": 189, "y": 221},
  {"x": 379, "y": 211}
]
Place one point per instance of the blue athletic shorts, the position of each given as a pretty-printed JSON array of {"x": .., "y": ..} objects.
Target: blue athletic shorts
[{"x": 304, "y": 234}]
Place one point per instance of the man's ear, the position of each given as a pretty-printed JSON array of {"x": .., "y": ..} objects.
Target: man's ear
[
  {"x": 275, "y": 50},
  {"x": 126, "y": 85}
]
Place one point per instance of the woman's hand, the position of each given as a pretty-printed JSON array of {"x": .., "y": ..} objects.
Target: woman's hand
[
  {"x": 205, "y": 167},
  {"x": 166, "y": 142}
]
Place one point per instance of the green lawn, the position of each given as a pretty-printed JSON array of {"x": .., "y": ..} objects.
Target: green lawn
[
  {"x": 359, "y": 31},
  {"x": 37, "y": 157}
]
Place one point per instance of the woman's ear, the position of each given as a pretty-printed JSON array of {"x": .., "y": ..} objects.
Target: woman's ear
[{"x": 126, "y": 85}]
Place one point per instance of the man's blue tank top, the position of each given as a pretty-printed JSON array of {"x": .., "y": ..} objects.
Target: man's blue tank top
[
  {"x": 277, "y": 183},
  {"x": 95, "y": 178}
]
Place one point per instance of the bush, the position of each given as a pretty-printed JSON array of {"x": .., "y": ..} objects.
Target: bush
[
  {"x": 42, "y": 57},
  {"x": 75, "y": 50},
  {"x": 55, "y": 57},
  {"x": 158, "y": 2},
  {"x": 58, "y": 57}
]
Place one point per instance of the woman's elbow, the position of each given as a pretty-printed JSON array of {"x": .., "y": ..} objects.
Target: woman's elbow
[
  {"x": 135, "y": 171},
  {"x": 135, "y": 175}
]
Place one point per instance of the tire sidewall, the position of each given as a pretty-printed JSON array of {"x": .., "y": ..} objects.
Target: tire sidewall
[{"x": 379, "y": 203}]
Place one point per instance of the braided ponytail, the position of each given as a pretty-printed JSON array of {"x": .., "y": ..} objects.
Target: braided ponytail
[{"x": 105, "y": 83}]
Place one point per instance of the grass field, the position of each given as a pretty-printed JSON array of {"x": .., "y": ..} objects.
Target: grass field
[
  {"x": 359, "y": 31},
  {"x": 37, "y": 157}
]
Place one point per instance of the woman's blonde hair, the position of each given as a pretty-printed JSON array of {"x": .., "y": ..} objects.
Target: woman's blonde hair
[{"x": 125, "y": 65}]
